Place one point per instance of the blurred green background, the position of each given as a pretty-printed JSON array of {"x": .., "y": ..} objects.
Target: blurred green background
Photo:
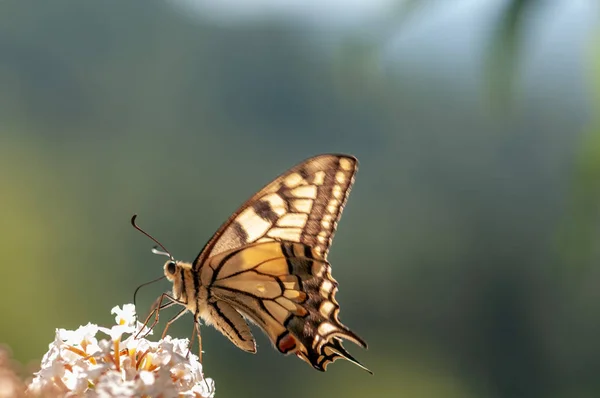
[{"x": 468, "y": 253}]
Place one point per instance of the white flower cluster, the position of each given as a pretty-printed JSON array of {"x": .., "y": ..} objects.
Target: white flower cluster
[{"x": 78, "y": 364}]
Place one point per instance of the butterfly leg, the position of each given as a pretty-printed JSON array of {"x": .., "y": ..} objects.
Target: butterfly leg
[
  {"x": 197, "y": 332},
  {"x": 156, "y": 308},
  {"x": 176, "y": 317},
  {"x": 192, "y": 343},
  {"x": 197, "y": 329}
]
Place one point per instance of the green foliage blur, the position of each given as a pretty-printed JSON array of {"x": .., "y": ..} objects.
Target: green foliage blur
[{"x": 468, "y": 254}]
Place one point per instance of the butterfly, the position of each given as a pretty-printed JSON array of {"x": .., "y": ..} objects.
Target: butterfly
[{"x": 267, "y": 264}]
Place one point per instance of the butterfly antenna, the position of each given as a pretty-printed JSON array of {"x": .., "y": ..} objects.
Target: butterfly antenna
[{"x": 165, "y": 252}]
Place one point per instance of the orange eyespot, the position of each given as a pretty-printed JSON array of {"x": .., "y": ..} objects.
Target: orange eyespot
[{"x": 286, "y": 343}]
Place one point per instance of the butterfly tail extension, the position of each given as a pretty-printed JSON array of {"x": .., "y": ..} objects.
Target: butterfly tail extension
[
  {"x": 333, "y": 350},
  {"x": 351, "y": 336},
  {"x": 318, "y": 331}
]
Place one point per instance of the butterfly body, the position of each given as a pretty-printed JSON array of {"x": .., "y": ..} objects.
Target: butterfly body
[{"x": 268, "y": 264}]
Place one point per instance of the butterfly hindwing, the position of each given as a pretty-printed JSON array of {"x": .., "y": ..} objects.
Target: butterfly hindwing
[
  {"x": 230, "y": 323},
  {"x": 302, "y": 205},
  {"x": 288, "y": 291}
]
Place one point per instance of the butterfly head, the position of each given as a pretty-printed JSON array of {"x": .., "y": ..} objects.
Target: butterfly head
[
  {"x": 179, "y": 274},
  {"x": 173, "y": 270}
]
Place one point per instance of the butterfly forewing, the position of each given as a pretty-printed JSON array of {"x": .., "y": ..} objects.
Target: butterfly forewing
[{"x": 302, "y": 205}]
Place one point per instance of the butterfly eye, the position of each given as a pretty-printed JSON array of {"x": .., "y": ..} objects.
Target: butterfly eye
[{"x": 171, "y": 268}]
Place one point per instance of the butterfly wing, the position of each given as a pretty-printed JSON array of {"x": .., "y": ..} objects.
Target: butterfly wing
[
  {"x": 268, "y": 262},
  {"x": 302, "y": 205},
  {"x": 223, "y": 317},
  {"x": 288, "y": 291}
]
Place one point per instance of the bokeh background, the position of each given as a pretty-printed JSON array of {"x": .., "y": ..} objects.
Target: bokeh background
[{"x": 469, "y": 253}]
